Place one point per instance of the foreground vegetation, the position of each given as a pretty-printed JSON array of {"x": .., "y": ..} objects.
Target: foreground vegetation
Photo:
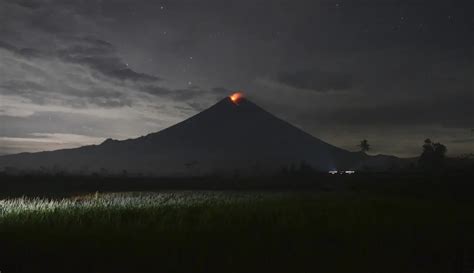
[{"x": 205, "y": 231}]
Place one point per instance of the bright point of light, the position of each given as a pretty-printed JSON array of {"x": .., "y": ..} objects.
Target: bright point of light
[
  {"x": 341, "y": 172},
  {"x": 236, "y": 97}
]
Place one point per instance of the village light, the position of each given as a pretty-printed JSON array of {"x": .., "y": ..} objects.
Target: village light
[{"x": 341, "y": 172}]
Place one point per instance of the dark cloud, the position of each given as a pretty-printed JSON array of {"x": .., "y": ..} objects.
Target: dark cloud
[
  {"x": 466, "y": 140},
  {"x": 102, "y": 56},
  {"x": 38, "y": 94},
  {"x": 23, "y": 52},
  {"x": 316, "y": 80},
  {"x": 190, "y": 92},
  {"x": 8, "y": 46},
  {"x": 21, "y": 87},
  {"x": 31, "y": 4},
  {"x": 129, "y": 74},
  {"x": 432, "y": 111},
  {"x": 45, "y": 122},
  {"x": 220, "y": 91}
]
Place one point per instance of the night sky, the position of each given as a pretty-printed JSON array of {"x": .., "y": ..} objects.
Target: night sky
[{"x": 393, "y": 72}]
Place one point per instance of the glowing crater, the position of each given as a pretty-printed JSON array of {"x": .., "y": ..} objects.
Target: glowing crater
[{"x": 237, "y": 97}]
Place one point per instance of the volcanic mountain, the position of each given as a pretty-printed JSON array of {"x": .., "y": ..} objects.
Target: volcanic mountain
[{"x": 234, "y": 135}]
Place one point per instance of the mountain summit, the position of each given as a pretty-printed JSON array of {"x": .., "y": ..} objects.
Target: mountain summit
[{"x": 232, "y": 135}]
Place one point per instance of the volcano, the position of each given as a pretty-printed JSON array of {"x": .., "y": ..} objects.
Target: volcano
[{"x": 233, "y": 135}]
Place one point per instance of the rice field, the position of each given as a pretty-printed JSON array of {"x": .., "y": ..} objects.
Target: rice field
[
  {"x": 144, "y": 200},
  {"x": 210, "y": 231}
]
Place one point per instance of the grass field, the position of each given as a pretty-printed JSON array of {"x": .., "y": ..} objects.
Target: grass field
[{"x": 205, "y": 231}]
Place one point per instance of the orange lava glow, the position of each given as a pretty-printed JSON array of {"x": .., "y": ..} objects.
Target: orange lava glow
[{"x": 236, "y": 97}]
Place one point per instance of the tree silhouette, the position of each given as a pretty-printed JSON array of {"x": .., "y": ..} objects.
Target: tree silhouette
[
  {"x": 428, "y": 149},
  {"x": 433, "y": 155},
  {"x": 364, "y": 146},
  {"x": 440, "y": 150}
]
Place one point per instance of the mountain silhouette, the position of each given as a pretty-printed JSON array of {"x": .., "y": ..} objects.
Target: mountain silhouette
[{"x": 233, "y": 135}]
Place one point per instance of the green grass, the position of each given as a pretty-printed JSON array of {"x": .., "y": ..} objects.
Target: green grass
[{"x": 234, "y": 232}]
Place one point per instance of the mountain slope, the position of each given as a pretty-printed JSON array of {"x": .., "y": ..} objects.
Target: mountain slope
[{"x": 229, "y": 136}]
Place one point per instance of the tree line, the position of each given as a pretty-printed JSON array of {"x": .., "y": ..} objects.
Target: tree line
[{"x": 432, "y": 157}]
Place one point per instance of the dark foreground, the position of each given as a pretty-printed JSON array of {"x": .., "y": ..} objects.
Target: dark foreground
[{"x": 362, "y": 223}]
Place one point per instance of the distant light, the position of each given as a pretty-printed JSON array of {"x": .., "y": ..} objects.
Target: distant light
[
  {"x": 236, "y": 97},
  {"x": 341, "y": 172}
]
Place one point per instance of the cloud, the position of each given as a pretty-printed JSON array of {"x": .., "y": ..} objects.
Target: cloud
[
  {"x": 398, "y": 113},
  {"x": 22, "y": 52},
  {"x": 31, "y": 4},
  {"x": 464, "y": 140},
  {"x": 45, "y": 142},
  {"x": 81, "y": 72},
  {"x": 49, "y": 80},
  {"x": 129, "y": 74},
  {"x": 7, "y": 46},
  {"x": 101, "y": 56},
  {"x": 316, "y": 80},
  {"x": 221, "y": 91}
]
